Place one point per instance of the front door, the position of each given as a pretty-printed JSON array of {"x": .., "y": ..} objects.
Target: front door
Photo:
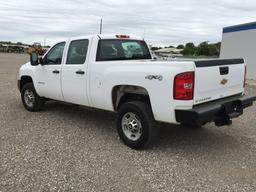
[
  {"x": 49, "y": 74},
  {"x": 74, "y": 76}
]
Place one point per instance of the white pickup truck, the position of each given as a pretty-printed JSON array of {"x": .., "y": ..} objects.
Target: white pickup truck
[{"x": 117, "y": 73}]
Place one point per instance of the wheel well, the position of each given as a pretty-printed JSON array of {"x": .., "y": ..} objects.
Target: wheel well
[
  {"x": 125, "y": 93},
  {"x": 24, "y": 80}
]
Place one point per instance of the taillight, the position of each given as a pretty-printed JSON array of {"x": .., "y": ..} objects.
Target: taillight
[
  {"x": 245, "y": 71},
  {"x": 183, "y": 88}
]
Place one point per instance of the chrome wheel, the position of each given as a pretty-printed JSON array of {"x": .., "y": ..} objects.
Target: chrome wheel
[
  {"x": 29, "y": 98},
  {"x": 131, "y": 126}
]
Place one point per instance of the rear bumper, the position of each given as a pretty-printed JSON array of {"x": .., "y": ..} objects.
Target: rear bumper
[{"x": 220, "y": 111}]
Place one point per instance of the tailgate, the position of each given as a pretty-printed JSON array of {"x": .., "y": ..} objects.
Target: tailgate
[{"x": 216, "y": 79}]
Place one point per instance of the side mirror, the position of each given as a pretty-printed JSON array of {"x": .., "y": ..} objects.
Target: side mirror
[
  {"x": 34, "y": 59},
  {"x": 41, "y": 60}
]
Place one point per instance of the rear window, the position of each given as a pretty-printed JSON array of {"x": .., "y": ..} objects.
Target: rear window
[{"x": 119, "y": 49}]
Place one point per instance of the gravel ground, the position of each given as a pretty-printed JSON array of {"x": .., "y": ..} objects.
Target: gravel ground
[{"x": 68, "y": 148}]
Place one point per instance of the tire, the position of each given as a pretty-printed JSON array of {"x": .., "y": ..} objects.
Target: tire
[
  {"x": 136, "y": 125},
  {"x": 30, "y": 99}
]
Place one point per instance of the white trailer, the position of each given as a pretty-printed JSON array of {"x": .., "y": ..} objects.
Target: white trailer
[{"x": 240, "y": 41}]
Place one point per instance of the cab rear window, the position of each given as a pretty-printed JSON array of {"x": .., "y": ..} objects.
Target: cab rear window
[{"x": 119, "y": 49}]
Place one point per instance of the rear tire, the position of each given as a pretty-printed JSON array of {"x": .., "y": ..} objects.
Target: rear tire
[
  {"x": 136, "y": 125},
  {"x": 30, "y": 99}
]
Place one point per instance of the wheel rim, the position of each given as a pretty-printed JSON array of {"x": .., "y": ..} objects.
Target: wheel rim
[
  {"x": 131, "y": 126},
  {"x": 29, "y": 98}
]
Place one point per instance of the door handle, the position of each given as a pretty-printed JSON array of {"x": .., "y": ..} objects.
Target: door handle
[
  {"x": 56, "y": 71},
  {"x": 80, "y": 72},
  {"x": 224, "y": 70}
]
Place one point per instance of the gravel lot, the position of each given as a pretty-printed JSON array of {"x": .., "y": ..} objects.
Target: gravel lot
[{"x": 68, "y": 148}]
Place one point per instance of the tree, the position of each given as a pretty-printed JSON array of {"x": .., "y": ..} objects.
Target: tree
[
  {"x": 180, "y": 47},
  {"x": 218, "y": 46},
  {"x": 203, "y": 49},
  {"x": 189, "y": 49}
]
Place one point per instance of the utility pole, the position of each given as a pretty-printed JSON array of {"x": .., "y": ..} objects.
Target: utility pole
[{"x": 101, "y": 26}]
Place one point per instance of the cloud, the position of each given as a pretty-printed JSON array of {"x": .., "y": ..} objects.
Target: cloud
[{"x": 162, "y": 22}]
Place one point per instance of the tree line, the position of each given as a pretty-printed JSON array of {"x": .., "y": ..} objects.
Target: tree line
[{"x": 203, "y": 49}]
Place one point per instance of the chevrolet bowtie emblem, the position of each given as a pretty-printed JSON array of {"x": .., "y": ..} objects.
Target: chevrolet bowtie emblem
[{"x": 223, "y": 81}]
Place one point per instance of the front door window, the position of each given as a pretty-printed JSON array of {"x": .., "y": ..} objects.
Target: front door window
[{"x": 54, "y": 56}]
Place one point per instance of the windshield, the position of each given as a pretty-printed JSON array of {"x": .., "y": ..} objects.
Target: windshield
[{"x": 120, "y": 49}]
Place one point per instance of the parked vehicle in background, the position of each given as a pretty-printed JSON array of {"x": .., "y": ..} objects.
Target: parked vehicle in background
[
  {"x": 36, "y": 48},
  {"x": 11, "y": 48},
  {"x": 117, "y": 73}
]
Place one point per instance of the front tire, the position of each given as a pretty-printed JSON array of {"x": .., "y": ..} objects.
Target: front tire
[
  {"x": 136, "y": 125},
  {"x": 30, "y": 99}
]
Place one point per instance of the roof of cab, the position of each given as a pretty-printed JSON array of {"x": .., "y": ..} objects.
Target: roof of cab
[{"x": 107, "y": 36}]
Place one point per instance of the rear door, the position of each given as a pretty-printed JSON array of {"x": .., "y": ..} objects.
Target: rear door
[
  {"x": 216, "y": 79},
  {"x": 74, "y": 72}
]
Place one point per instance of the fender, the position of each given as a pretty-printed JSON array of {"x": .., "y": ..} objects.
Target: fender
[{"x": 27, "y": 70}]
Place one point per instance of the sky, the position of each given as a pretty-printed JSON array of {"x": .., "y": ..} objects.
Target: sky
[{"x": 160, "y": 22}]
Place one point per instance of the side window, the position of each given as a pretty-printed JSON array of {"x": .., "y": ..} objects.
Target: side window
[
  {"x": 77, "y": 51},
  {"x": 54, "y": 56}
]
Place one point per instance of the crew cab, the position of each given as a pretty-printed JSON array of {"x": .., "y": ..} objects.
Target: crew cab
[{"x": 117, "y": 73}]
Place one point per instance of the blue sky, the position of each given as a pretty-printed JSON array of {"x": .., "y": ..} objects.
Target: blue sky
[{"x": 162, "y": 22}]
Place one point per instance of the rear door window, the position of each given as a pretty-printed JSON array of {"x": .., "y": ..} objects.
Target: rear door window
[{"x": 77, "y": 51}]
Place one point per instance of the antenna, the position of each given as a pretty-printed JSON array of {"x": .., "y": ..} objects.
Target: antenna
[
  {"x": 144, "y": 34},
  {"x": 101, "y": 26}
]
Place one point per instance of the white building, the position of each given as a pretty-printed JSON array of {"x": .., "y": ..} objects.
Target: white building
[{"x": 239, "y": 41}]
